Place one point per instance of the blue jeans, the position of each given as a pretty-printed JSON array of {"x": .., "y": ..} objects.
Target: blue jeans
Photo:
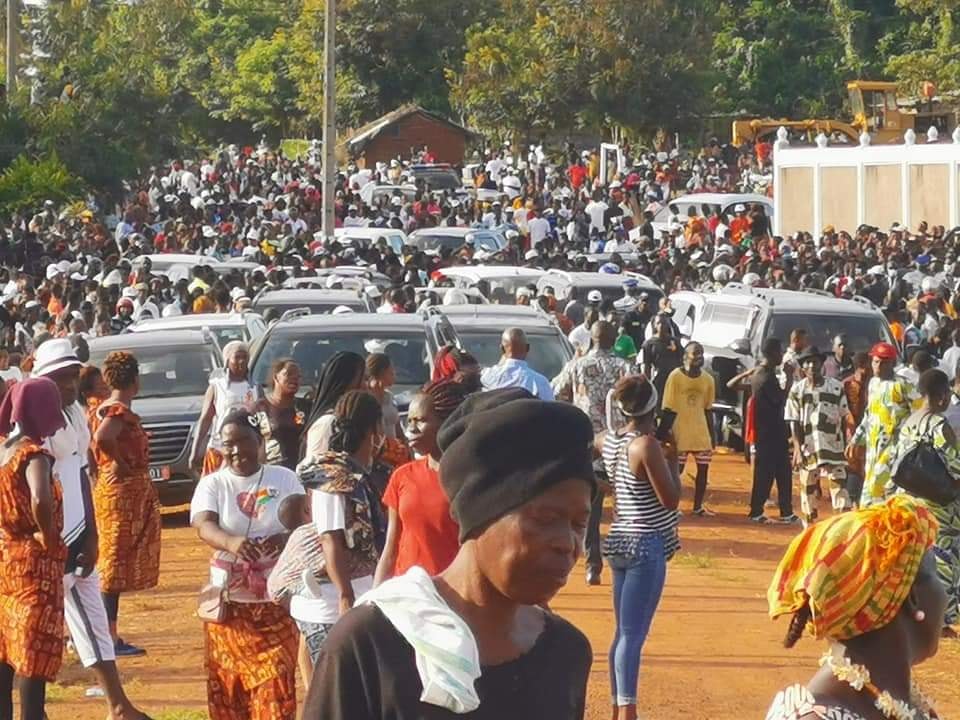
[{"x": 637, "y": 587}]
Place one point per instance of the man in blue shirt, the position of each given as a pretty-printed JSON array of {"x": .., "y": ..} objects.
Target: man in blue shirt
[{"x": 513, "y": 371}]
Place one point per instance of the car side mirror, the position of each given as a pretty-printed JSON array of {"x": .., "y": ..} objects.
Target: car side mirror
[{"x": 741, "y": 346}]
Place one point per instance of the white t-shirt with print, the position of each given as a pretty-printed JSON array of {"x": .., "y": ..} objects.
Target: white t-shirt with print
[{"x": 240, "y": 503}]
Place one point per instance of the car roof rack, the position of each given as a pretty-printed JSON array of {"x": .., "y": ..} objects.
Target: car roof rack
[
  {"x": 294, "y": 313},
  {"x": 818, "y": 291},
  {"x": 864, "y": 300}
]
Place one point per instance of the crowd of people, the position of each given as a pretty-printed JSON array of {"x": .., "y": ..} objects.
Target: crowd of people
[{"x": 406, "y": 564}]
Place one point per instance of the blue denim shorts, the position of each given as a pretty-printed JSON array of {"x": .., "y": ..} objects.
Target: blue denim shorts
[{"x": 314, "y": 635}]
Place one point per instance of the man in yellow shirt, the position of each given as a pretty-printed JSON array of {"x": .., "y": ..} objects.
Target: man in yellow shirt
[{"x": 689, "y": 393}]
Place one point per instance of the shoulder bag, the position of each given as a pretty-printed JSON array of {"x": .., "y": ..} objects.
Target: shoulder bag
[
  {"x": 212, "y": 600},
  {"x": 923, "y": 472}
]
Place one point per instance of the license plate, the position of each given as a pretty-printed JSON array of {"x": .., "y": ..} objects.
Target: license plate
[{"x": 159, "y": 472}]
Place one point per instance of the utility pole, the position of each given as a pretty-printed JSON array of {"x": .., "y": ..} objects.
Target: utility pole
[
  {"x": 11, "y": 47},
  {"x": 329, "y": 118}
]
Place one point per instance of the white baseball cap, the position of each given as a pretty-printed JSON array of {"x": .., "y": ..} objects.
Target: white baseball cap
[
  {"x": 594, "y": 296},
  {"x": 531, "y": 255}
]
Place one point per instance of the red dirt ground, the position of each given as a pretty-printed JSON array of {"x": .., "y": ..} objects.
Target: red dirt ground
[{"x": 712, "y": 653}]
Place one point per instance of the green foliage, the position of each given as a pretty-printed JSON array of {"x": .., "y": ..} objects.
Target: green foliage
[{"x": 26, "y": 183}]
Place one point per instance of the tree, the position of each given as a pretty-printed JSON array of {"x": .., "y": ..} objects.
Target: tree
[{"x": 930, "y": 47}]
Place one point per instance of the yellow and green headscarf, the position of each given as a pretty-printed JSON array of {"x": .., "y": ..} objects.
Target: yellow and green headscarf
[{"x": 854, "y": 569}]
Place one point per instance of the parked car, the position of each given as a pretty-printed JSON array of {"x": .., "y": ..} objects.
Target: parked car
[
  {"x": 433, "y": 240},
  {"x": 575, "y": 285},
  {"x": 175, "y": 367},
  {"x": 440, "y": 177},
  {"x": 226, "y": 327},
  {"x": 372, "y": 192},
  {"x": 317, "y": 302},
  {"x": 733, "y": 324},
  {"x": 411, "y": 340},
  {"x": 179, "y": 265},
  {"x": 706, "y": 204},
  {"x": 499, "y": 283},
  {"x": 356, "y": 277},
  {"x": 367, "y": 236},
  {"x": 480, "y": 327}
]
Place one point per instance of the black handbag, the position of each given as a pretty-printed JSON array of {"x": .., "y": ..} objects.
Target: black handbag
[{"x": 923, "y": 472}]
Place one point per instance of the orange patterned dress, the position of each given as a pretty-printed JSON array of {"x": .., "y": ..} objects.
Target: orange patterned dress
[
  {"x": 127, "y": 508},
  {"x": 31, "y": 577},
  {"x": 251, "y": 663}
]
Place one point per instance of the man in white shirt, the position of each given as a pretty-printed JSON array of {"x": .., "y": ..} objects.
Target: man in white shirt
[
  {"x": 352, "y": 219},
  {"x": 595, "y": 210},
  {"x": 85, "y": 614},
  {"x": 950, "y": 363},
  {"x": 539, "y": 229}
]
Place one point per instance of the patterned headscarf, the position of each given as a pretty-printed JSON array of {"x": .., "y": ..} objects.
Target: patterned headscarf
[{"x": 855, "y": 569}]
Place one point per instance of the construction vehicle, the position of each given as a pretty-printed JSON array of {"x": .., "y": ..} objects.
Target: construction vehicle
[{"x": 875, "y": 111}]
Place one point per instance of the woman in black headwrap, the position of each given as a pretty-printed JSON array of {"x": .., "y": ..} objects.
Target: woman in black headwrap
[
  {"x": 474, "y": 642},
  {"x": 342, "y": 373}
]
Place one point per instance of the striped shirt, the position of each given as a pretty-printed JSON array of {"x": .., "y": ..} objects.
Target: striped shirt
[
  {"x": 820, "y": 411},
  {"x": 638, "y": 510}
]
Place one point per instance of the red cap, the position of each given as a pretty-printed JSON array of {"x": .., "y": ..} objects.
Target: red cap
[{"x": 884, "y": 351}]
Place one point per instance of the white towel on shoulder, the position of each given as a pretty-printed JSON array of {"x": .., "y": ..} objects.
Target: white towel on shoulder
[{"x": 448, "y": 661}]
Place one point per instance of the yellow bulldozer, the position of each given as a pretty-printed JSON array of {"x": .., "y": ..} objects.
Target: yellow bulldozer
[{"x": 875, "y": 110}]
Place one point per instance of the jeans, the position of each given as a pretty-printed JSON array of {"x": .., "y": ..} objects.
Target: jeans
[
  {"x": 637, "y": 587},
  {"x": 314, "y": 635}
]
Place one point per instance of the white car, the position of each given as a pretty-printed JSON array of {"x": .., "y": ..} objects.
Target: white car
[
  {"x": 706, "y": 204},
  {"x": 366, "y": 236},
  {"x": 498, "y": 282},
  {"x": 432, "y": 240},
  {"x": 371, "y": 192},
  {"x": 225, "y": 327}
]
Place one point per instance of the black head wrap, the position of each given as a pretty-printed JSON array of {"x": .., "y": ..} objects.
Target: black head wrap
[{"x": 502, "y": 449}]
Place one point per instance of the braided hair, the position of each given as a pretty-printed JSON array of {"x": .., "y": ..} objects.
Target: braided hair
[
  {"x": 120, "y": 370},
  {"x": 797, "y": 625},
  {"x": 445, "y": 396},
  {"x": 357, "y": 414}
]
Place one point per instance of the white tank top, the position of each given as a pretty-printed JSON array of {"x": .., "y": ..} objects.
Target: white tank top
[{"x": 227, "y": 395}]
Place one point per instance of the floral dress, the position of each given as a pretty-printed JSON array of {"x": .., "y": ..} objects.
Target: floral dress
[
  {"x": 889, "y": 403},
  {"x": 947, "y": 548}
]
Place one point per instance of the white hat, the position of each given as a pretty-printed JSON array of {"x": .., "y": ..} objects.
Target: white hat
[
  {"x": 112, "y": 278},
  {"x": 594, "y": 296},
  {"x": 209, "y": 232},
  {"x": 531, "y": 255},
  {"x": 739, "y": 207},
  {"x": 524, "y": 292},
  {"x": 63, "y": 267},
  {"x": 249, "y": 251},
  {"x": 52, "y": 272},
  {"x": 341, "y": 310},
  {"x": 55, "y": 354},
  {"x": 172, "y": 310},
  {"x": 615, "y": 184},
  {"x": 897, "y": 227},
  {"x": 31, "y": 304},
  {"x": 128, "y": 292},
  {"x": 237, "y": 293}
]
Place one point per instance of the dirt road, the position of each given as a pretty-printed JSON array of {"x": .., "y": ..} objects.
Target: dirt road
[{"x": 712, "y": 653}]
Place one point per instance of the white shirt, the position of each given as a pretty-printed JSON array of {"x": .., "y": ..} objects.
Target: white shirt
[
  {"x": 595, "y": 209},
  {"x": 354, "y": 221},
  {"x": 318, "y": 436},
  {"x": 69, "y": 447},
  {"x": 579, "y": 337},
  {"x": 11, "y": 373},
  {"x": 320, "y": 602},
  {"x": 950, "y": 363},
  {"x": 188, "y": 181},
  {"x": 227, "y": 395},
  {"x": 539, "y": 229},
  {"x": 231, "y": 497}
]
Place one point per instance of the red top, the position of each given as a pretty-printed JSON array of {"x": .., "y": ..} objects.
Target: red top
[
  {"x": 428, "y": 536},
  {"x": 577, "y": 175}
]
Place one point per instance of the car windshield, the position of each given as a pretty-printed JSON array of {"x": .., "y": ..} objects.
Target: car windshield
[
  {"x": 440, "y": 179},
  {"x": 721, "y": 324},
  {"x": 408, "y": 351},
  {"x": 225, "y": 335},
  {"x": 862, "y": 332},
  {"x": 487, "y": 241},
  {"x": 503, "y": 291},
  {"x": 167, "y": 371},
  {"x": 547, "y": 353}
]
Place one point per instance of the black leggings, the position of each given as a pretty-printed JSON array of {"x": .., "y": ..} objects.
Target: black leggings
[
  {"x": 33, "y": 695},
  {"x": 111, "y": 602}
]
